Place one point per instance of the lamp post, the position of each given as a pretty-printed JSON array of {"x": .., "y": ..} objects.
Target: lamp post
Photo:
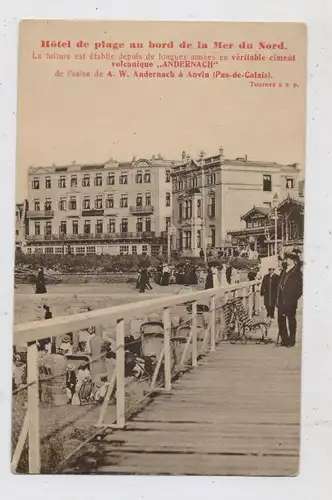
[
  {"x": 202, "y": 155},
  {"x": 275, "y": 204}
]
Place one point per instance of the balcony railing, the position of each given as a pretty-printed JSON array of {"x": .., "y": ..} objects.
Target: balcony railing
[
  {"x": 90, "y": 237},
  {"x": 40, "y": 214},
  {"x": 146, "y": 209}
]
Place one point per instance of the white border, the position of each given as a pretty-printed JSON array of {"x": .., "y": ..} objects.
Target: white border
[{"x": 315, "y": 480}]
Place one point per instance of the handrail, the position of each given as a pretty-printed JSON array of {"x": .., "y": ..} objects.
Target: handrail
[
  {"x": 35, "y": 330},
  {"x": 195, "y": 347}
]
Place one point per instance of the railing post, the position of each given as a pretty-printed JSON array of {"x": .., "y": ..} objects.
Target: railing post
[
  {"x": 250, "y": 301},
  {"x": 213, "y": 322},
  {"x": 245, "y": 298},
  {"x": 194, "y": 332},
  {"x": 120, "y": 374},
  {"x": 167, "y": 348},
  {"x": 33, "y": 408}
]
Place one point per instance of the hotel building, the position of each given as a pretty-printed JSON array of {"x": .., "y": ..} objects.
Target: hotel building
[
  {"x": 212, "y": 193},
  {"x": 105, "y": 208}
]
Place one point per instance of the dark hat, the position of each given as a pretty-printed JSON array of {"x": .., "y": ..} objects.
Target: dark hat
[{"x": 292, "y": 255}]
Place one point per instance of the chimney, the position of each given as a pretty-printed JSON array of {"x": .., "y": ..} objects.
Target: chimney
[
  {"x": 183, "y": 155},
  {"x": 245, "y": 157},
  {"x": 221, "y": 151}
]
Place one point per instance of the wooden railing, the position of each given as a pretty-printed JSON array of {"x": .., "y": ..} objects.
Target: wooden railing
[{"x": 197, "y": 342}]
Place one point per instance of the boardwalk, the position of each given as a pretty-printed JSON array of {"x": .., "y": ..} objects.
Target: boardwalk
[{"x": 238, "y": 413}]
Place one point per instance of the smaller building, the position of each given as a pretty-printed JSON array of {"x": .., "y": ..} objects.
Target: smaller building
[
  {"x": 20, "y": 221},
  {"x": 259, "y": 232}
]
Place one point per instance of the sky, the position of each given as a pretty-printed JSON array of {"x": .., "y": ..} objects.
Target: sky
[{"x": 61, "y": 120}]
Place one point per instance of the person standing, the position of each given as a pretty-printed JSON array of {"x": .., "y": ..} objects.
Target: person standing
[
  {"x": 40, "y": 281},
  {"x": 269, "y": 291},
  {"x": 209, "y": 278},
  {"x": 215, "y": 277},
  {"x": 165, "y": 275},
  {"x": 229, "y": 274},
  {"x": 288, "y": 293},
  {"x": 143, "y": 280}
]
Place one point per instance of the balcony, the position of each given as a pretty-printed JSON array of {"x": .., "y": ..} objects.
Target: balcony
[
  {"x": 93, "y": 212},
  {"x": 40, "y": 214},
  {"x": 60, "y": 239},
  {"x": 142, "y": 210}
]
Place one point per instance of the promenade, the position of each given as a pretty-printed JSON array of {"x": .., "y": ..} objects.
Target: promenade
[{"x": 238, "y": 413}]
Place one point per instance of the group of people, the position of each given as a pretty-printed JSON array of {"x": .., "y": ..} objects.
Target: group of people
[{"x": 283, "y": 291}]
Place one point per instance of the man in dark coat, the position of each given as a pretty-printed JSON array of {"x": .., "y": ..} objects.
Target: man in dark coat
[
  {"x": 288, "y": 293},
  {"x": 269, "y": 292},
  {"x": 229, "y": 270}
]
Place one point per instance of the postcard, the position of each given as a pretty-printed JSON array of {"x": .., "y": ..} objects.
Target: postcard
[{"x": 159, "y": 248}]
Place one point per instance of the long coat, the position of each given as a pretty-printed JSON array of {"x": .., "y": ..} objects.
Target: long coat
[
  {"x": 144, "y": 280},
  {"x": 40, "y": 283},
  {"x": 209, "y": 280},
  {"x": 289, "y": 289},
  {"x": 269, "y": 289}
]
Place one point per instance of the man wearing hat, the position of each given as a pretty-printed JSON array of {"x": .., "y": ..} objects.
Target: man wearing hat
[
  {"x": 288, "y": 293},
  {"x": 269, "y": 291}
]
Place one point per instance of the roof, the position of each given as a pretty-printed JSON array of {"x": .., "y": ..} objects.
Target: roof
[{"x": 265, "y": 211}]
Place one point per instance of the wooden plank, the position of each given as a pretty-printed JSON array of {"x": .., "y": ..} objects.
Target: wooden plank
[{"x": 33, "y": 408}]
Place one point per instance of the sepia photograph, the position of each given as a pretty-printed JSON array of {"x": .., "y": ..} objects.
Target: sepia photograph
[{"x": 159, "y": 248}]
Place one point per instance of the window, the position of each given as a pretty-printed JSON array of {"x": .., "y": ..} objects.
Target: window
[
  {"x": 267, "y": 183},
  {"x": 86, "y": 180},
  {"x": 168, "y": 199},
  {"x": 111, "y": 179},
  {"x": 144, "y": 249},
  {"x": 139, "y": 177},
  {"x": 148, "y": 199},
  {"x": 80, "y": 250},
  {"x": 139, "y": 200},
  {"x": 267, "y": 204},
  {"x": 124, "y": 201},
  {"x": 155, "y": 250},
  {"x": 213, "y": 236},
  {"x": 180, "y": 212},
  {"x": 290, "y": 183},
  {"x": 123, "y": 179},
  {"x": 49, "y": 250},
  {"x": 48, "y": 228},
  {"x": 124, "y": 226},
  {"x": 187, "y": 239},
  {"x": 134, "y": 249},
  {"x": 199, "y": 208},
  {"x": 35, "y": 183},
  {"x": 90, "y": 250},
  {"x": 38, "y": 250},
  {"x": 147, "y": 176},
  {"x": 194, "y": 181},
  {"x": 72, "y": 203},
  {"x": 212, "y": 207},
  {"x": 17, "y": 232},
  {"x": 37, "y": 228},
  {"x": 148, "y": 224},
  {"x": 86, "y": 203},
  {"x": 188, "y": 209},
  {"x": 29, "y": 250},
  {"x": 99, "y": 180},
  {"x": 168, "y": 221},
  {"x": 110, "y": 201},
  {"x": 124, "y": 249},
  {"x": 58, "y": 250},
  {"x": 62, "y": 181},
  {"x": 87, "y": 227},
  {"x": 73, "y": 181},
  {"x": 211, "y": 178},
  {"x": 199, "y": 238},
  {"x": 62, "y": 204},
  {"x": 48, "y": 204},
  {"x": 112, "y": 225},
  {"x": 48, "y": 183},
  {"x": 37, "y": 205},
  {"x": 63, "y": 227},
  {"x": 99, "y": 201},
  {"x": 168, "y": 176},
  {"x": 99, "y": 227},
  {"x": 75, "y": 226},
  {"x": 139, "y": 225}
]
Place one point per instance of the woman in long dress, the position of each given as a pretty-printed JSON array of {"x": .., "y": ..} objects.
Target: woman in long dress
[
  {"x": 215, "y": 278},
  {"x": 209, "y": 279},
  {"x": 165, "y": 276},
  {"x": 40, "y": 281}
]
